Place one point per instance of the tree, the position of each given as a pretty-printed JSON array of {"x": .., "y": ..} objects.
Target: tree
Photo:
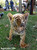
[
  {"x": 20, "y": 6},
  {"x": 32, "y": 6}
]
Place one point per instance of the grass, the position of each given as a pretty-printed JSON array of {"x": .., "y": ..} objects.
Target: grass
[{"x": 31, "y": 34}]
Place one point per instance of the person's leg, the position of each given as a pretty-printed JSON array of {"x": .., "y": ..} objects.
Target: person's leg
[
  {"x": 8, "y": 6},
  {"x": 12, "y": 8}
]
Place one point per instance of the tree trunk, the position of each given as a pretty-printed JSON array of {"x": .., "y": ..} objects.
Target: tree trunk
[
  {"x": 32, "y": 6},
  {"x": 20, "y": 6}
]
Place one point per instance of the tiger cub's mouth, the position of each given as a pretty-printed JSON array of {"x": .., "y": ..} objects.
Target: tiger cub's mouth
[{"x": 19, "y": 28}]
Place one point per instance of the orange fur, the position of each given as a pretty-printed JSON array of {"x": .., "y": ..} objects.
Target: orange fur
[{"x": 18, "y": 21}]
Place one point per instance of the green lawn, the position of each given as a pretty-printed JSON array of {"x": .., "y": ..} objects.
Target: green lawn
[{"x": 31, "y": 34}]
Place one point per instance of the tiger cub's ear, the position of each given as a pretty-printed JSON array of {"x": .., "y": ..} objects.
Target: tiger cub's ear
[
  {"x": 26, "y": 15},
  {"x": 10, "y": 16}
]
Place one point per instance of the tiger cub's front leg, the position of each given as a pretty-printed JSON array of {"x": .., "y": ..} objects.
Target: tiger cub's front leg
[
  {"x": 22, "y": 43},
  {"x": 10, "y": 34}
]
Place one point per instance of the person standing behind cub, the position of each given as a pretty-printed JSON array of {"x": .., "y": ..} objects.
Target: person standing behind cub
[
  {"x": 11, "y": 4},
  {"x": 7, "y": 4}
]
